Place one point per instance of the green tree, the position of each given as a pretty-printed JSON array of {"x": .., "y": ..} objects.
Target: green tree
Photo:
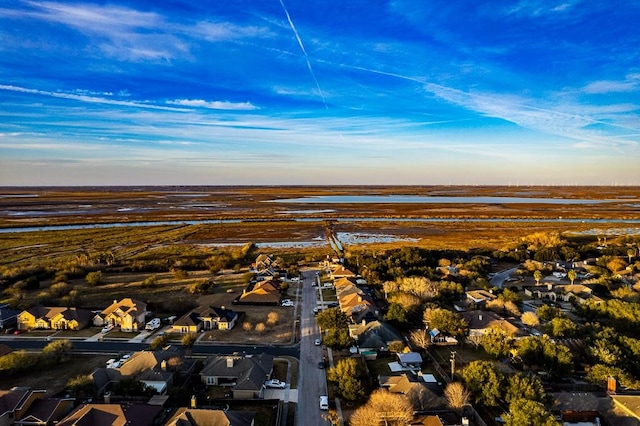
[
  {"x": 562, "y": 327},
  {"x": 81, "y": 386},
  {"x": 525, "y": 386},
  {"x": 523, "y": 412},
  {"x": 497, "y": 342},
  {"x": 484, "y": 382},
  {"x": 159, "y": 342},
  {"x": 537, "y": 275},
  {"x": 446, "y": 321},
  {"x": 188, "y": 340},
  {"x": 346, "y": 377},
  {"x": 530, "y": 319},
  {"x": 332, "y": 318},
  {"x": 338, "y": 338},
  {"x": 130, "y": 386},
  {"x": 57, "y": 351},
  {"x": 94, "y": 278},
  {"x": 396, "y": 314}
]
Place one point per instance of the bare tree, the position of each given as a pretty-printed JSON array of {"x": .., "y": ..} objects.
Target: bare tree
[
  {"x": 457, "y": 396},
  {"x": 385, "y": 408},
  {"x": 420, "y": 338}
]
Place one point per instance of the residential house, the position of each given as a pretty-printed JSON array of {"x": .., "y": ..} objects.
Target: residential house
[
  {"x": 354, "y": 302},
  {"x": 260, "y": 293},
  {"x": 15, "y": 402},
  {"x": 575, "y": 406},
  {"x": 481, "y": 321},
  {"x": 264, "y": 262},
  {"x": 113, "y": 415},
  {"x": 8, "y": 316},
  {"x": 46, "y": 412},
  {"x": 339, "y": 271},
  {"x": 245, "y": 375},
  {"x": 411, "y": 360},
  {"x": 150, "y": 367},
  {"x": 374, "y": 336},
  {"x": 480, "y": 298},
  {"x": 128, "y": 314},
  {"x": 206, "y": 318},
  {"x": 57, "y": 318},
  {"x": 417, "y": 391},
  {"x": 202, "y": 417}
]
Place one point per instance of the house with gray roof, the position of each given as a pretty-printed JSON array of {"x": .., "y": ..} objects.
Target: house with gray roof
[{"x": 243, "y": 374}]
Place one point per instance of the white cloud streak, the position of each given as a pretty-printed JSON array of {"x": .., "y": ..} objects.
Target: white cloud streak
[
  {"x": 313, "y": 75},
  {"x": 89, "y": 99},
  {"x": 220, "y": 105}
]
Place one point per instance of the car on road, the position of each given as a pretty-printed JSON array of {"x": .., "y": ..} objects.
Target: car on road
[
  {"x": 20, "y": 331},
  {"x": 275, "y": 383},
  {"x": 316, "y": 310},
  {"x": 287, "y": 302},
  {"x": 321, "y": 364},
  {"x": 317, "y": 342},
  {"x": 324, "y": 402}
]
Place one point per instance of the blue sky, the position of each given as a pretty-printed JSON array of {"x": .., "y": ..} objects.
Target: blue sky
[{"x": 319, "y": 92}]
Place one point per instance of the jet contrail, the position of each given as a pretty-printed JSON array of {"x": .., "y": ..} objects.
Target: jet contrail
[{"x": 313, "y": 75}]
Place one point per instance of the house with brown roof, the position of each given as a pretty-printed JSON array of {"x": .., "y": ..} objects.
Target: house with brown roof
[
  {"x": 128, "y": 314},
  {"x": 260, "y": 293},
  {"x": 113, "y": 415},
  {"x": 244, "y": 375},
  {"x": 46, "y": 412},
  {"x": 56, "y": 318},
  {"x": 481, "y": 321},
  {"x": 202, "y": 417},
  {"x": 339, "y": 271},
  {"x": 479, "y": 298},
  {"x": 150, "y": 367},
  {"x": 15, "y": 402},
  {"x": 205, "y": 318},
  {"x": 418, "y": 393}
]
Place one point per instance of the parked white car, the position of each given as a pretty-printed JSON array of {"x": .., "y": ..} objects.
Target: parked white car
[
  {"x": 107, "y": 328},
  {"x": 275, "y": 383},
  {"x": 153, "y": 324},
  {"x": 287, "y": 302}
]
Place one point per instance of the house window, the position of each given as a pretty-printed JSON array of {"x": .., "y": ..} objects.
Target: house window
[{"x": 211, "y": 380}]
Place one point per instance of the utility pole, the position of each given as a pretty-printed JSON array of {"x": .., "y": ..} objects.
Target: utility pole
[{"x": 453, "y": 364}]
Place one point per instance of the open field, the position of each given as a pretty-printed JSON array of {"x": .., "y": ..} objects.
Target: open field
[
  {"x": 54, "y": 378},
  {"x": 55, "y": 206}
]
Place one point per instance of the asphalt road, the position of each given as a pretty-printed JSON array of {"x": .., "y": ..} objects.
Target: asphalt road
[
  {"x": 114, "y": 347},
  {"x": 311, "y": 380}
]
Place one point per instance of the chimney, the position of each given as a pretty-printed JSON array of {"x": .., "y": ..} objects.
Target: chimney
[
  {"x": 115, "y": 301},
  {"x": 107, "y": 397},
  {"x": 229, "y": 362},
  {"x": 480, "y": 317},
  {"x": 193, "y": 401},
  {"x": 222, "y": 307},
  {"x": 163, "y": 365}
]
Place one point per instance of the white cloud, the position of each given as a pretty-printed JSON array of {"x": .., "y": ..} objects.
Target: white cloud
[
  {"x": 88, "y": 99},
  {"x": 630, "y": 84},
  {"x": 223, "y": 105},
  {"x": 533, "y": 114}
]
